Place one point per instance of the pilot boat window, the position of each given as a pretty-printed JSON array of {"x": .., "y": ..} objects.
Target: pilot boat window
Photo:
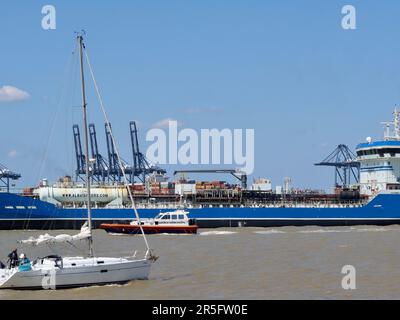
[
  {"x": 166, "y": 217},
  {"x": 174, "y": 217},
  {"x": 181, "y": 217}
]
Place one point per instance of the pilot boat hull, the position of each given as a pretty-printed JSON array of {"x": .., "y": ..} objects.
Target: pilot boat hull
[{"x": 153, "y": 229}]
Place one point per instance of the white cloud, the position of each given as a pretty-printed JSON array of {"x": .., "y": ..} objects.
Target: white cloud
[
  {"x": 164, "y": 123},
  {"x": 11, "y": 94},
  {"x": 12, "y": 153}
]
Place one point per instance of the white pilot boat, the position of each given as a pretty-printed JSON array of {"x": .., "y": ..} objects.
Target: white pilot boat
[
  {"x": 54, "y": 271},
  {"x": 165, "y": 222}
]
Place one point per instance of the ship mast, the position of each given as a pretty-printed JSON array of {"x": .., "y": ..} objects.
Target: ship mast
[
  {"x": 89, "y": 201},
  {"x": 396, "y": 124},
  {"x": 395, "y": 135}
]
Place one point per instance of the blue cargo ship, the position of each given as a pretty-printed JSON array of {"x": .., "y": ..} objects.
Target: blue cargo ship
[{"x": 374, "y": 199}]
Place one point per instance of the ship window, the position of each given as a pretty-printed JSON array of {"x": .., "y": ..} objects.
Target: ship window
[
  {"x": 181, "y": 217},
  {"x": 392, "y": 151},
  {"x": 167, "y": 216},
  {"x": 174, "y": 217}
]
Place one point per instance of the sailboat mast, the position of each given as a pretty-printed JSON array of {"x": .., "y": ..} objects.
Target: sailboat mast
[{"x": 89, "y": 200}]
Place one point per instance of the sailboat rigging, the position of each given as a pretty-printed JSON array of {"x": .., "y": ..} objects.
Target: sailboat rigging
[{"x": 80, "y": 271}]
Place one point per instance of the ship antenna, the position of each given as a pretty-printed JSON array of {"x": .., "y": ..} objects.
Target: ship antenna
[
  {"x": 396, "y": 123},
  {"x": 84, "y": 105},
  {"x": 386, "y": 129}
]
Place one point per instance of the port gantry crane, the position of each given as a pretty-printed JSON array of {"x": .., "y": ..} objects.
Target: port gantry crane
[
  {"x": 103, "y": 169},
  {"x": 6, "y": 175},
  {"x": 115, "y": 171},
  {"x": 346, "y": 167},
  {"x": 100, "y": 167},
  {"x": 80, "y": 157},
  {"x": 141, "y": 166}
]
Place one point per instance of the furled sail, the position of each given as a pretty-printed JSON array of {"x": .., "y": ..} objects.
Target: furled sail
[{"x": 61, "y": 238}]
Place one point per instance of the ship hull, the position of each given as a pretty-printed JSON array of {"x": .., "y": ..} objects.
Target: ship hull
[
  {"x": 76, "y": 224},
  {"x": 18, "y": 212}
]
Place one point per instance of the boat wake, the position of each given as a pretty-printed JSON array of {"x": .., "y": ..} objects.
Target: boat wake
[
  {"x": 211, "y": 233},
  {"x": 324, "y": 231},
  {"x": 173, "y": 234},
  {"x": 91, "y": 287},
  {"x": 351, "y": 229},
  {"x": 371, "y": 229},
  {"x": 272, "y": 231}
]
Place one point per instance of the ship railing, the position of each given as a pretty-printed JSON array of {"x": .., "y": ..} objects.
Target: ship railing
[
  {"x": 272, "y": 204},
  {"x": 16, "y": 191},
  {"x": 314, "y": 204},
  {"x": 255, "y": 204}
]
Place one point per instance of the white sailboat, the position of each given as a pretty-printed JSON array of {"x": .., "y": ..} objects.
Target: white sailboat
[{"x": 54, "y": 271}]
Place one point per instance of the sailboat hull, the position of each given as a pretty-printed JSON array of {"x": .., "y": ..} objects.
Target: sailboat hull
[{"x": 76, "y": 273}]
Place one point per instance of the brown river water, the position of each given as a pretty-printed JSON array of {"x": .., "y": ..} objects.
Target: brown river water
[{"x": 242, "y": 263}]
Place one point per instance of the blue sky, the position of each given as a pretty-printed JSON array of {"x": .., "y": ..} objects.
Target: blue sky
[{"x": 284, "y": 68}]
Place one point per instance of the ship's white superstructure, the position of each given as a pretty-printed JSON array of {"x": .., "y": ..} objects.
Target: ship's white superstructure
[{"x": 380, "y": 160}]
